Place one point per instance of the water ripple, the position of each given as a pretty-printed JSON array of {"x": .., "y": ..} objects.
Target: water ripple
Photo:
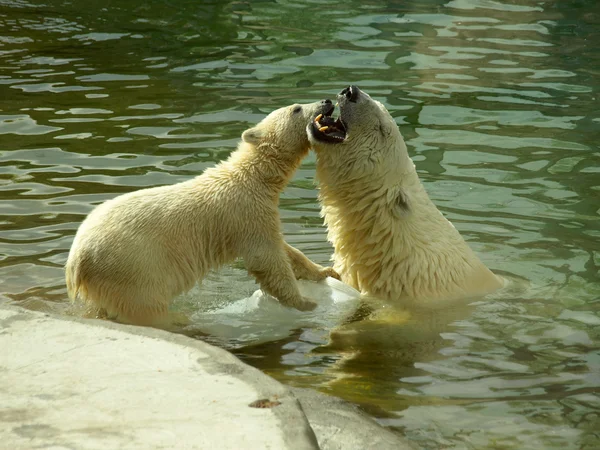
[{"x": 497, "y": 102}]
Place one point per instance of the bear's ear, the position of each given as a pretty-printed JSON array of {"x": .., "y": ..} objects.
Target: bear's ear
[
  {"x": 399, "y": 203},
  {"x": 252, "y": 136},
  {"x": 386, "y": 127}
]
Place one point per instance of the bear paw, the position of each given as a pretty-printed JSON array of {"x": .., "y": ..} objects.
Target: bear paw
[
  {"x": 330, "y": 272},
  {"x": 306, "y": 305}
]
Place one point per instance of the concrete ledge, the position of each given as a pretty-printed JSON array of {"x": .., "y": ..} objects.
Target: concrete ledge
[
  {"x": 89, "y": 384},
  {"x": 342, "y": 426}
]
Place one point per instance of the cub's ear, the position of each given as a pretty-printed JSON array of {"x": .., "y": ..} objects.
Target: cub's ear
[
  {"x": 252, "y": 136},
  {"x": 399, "y": 202}
]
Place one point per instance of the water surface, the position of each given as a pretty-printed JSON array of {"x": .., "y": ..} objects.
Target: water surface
[{"x": 498, "y": 103}]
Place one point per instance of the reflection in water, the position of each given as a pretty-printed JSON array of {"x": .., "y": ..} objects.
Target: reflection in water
[{"x": 497, "y": 102}]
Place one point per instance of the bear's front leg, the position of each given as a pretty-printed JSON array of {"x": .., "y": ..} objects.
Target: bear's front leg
[
  {"x": 272, "y": 269},
  {"x": 305, "y": 269}
]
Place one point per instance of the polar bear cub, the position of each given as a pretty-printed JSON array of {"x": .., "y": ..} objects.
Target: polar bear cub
[
  {"x": 134, "y": 253},
  {"x": 390, "y": 240}
]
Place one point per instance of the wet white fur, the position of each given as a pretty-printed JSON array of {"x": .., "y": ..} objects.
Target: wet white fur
[
  {"x": 390, "y": 240},
  {"x": 134, "y": 253}
]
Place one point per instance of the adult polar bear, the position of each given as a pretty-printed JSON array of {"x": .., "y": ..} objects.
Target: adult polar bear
[
  {"x": 134, "y": 253},
  {"x": 390, "y": 240}
]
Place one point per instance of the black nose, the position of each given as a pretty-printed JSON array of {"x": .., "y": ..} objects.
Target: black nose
[
  {"x": 351, "y": 93},
  {"x": 327, "y": 107}
]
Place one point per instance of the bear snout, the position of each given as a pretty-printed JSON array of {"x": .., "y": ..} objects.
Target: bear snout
[
  {"x": 326, "y": 107},
  {"x": 351, "y": 93}
]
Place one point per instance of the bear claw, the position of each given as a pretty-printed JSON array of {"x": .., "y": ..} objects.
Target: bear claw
[{"x": 330, "y": 272}]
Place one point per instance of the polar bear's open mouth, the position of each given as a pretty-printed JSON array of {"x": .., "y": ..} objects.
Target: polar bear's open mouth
[{"x": 327, "y": 129}]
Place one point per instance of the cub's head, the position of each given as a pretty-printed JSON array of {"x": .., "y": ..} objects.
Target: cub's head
[
  {"x": 364, "y": 141},
  {"x": 283, "y": 132}
]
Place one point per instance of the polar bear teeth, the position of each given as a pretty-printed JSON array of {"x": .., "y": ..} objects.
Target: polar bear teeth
[
  {"x": 325, "y": 122},
  {"x": 330, "y": 129}
]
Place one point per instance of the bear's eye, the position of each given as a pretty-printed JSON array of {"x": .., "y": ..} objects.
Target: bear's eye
[{"x": 297, "y": 109}]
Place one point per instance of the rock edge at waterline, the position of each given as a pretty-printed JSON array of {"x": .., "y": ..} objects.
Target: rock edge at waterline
[{"x": 91, "y": 384}]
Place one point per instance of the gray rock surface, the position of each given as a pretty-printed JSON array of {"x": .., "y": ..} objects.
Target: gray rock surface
[
  {"x": 69, "y": 383},
  {"x": 342, "y": 426},
  {"x": 89, "y": 384}
]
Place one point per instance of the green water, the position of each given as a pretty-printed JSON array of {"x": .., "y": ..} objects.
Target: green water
[{"x": 497, "y": 100}]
